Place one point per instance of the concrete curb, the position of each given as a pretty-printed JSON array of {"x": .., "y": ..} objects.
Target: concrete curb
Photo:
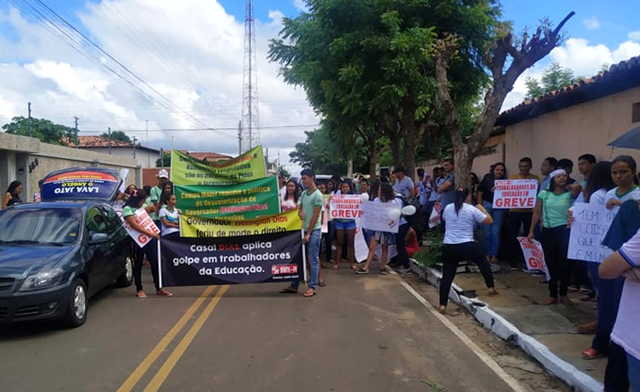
[{"x": 505, "y": 330}]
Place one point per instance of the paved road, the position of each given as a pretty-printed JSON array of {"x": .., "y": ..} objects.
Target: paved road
[{"x": 361, "y": 333}]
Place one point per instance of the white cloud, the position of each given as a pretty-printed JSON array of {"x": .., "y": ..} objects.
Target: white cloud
[
  {"x": 591, "y": 23},
  {"x": 577, "y": 54},
  {"x": 301, "y": 5},
  {"x": 191, "y": 51},
  {"x": 634, "y": 35}
]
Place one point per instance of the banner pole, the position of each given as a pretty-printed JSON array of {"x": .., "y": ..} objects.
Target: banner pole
[
  {"x": 304, "y": 256},
  {"x": 159, "y": 265}
]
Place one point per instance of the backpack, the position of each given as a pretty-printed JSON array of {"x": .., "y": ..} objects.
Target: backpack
[{"x": 418, "y": 220}]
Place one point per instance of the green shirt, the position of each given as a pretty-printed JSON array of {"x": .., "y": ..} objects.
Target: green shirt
[
  {"x": 128, "y": 211},
  {"x": 154, "y": 197},
  {"x": 309, "y": 203},
  {"x": 555, "y": 208}
]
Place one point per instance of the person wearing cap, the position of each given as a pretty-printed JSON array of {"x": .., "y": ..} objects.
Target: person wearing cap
[
  {"x": 555, "y": 203},
  {"x": 156, "y": 193}
]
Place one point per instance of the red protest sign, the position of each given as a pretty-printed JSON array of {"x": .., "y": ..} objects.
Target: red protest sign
[
  {"x": 346, "y": 207},
  {"x": 533, "y": 255}
]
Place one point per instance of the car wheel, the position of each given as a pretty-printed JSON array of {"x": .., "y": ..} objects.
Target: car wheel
[
  {"x": 78, "y": 305},
  {"x": 126, "y": 279}
]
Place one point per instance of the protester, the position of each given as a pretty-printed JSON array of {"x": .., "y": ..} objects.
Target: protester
[
  {"x": 130, "y": 189},
  {"x": 586, "y": 162},
  {"x": 167, "y": 190},
  {"x": 623, "y": 172},
  {"x": 289, "y": 201},
  {"x": 624, "y": 352},
  {"x": 485, "y": 197},
  {"x": 155, "y": 193},
  {"x": 519, "y": 218},
  {"x": 437, "y": 179},
  {"x": 548, "y": 165},
  {"x": 329, "y": 235},
  {"x": 12, "y": 196},
  {"x": 374, "y": 192},
  {"x": 460, "y": 219},
  {"x": 567, "y": 165},
  {"x": 403, "y": 184},
  {"x": 385, "y": 195},
  {"x": 330, "y": 186},
  {"x": 595, "y": 191},
  {"x": 135, "y": 202},
  {"x": 310, "y": 208},
  {"x": 170, "y": 218},
  {"x": 364, "y": 187},
  {"x": 345, "y": 230},
  {"x": 475, "y": 183},
  {"x": 555, "y": 203},
  {"x": 411, "y": 242},
  {"x": 447, "y": 190},
  {"x": 401, "y": 262},
  {"x": 282, "y": 185}
]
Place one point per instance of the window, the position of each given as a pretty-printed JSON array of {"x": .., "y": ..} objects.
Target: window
[
  {"x": 96, "y": 223},
  {"x": 635, "y": 112},
  {"x": 113, "y": 221}
]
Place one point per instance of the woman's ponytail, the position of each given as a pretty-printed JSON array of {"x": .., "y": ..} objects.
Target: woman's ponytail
[{"x": 461, "y": 198}]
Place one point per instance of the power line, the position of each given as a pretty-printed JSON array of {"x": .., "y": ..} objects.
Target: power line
[{"x": 206, "y": 129}]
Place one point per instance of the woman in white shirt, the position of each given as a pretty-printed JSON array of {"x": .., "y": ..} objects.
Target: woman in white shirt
[
  {"x": 290, "y": 199},
  {"x": 460, "y": 219},
  {"x": 170, "y": 218}
]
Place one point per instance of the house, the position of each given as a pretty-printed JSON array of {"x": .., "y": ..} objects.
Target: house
[
  {"x": 145, "y": 156},
  {"x": 579, "y": 119}
]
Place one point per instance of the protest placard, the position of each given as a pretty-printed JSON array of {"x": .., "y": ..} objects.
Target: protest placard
[
  {"x": 198, "y": 227},
  {"x": 240, "y": 201},
  {"x": 375, "y": 216},
  {"x": 515, "y": 194},
  {"x": 591, "y": 224},
  {"x": 143, "y": 219},
  {"x": 434, "y": 219},
  {"x": 533, "y": 255},
  {"x": 187, "y": 170},
  {"x": 345, "y": 207}
]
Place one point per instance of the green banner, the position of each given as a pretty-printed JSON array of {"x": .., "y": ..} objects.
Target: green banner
[
  {"x": 249, "y": 200},
  {"x": 186, "y": 170}
]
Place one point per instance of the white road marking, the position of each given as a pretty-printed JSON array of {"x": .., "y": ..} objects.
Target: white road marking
[{"x": 493, "y": 365}]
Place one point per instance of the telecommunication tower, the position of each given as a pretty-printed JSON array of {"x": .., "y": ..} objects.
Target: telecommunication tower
[{"x": 250, "y": 113}]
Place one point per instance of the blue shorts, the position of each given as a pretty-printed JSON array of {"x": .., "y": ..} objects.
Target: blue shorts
[
  {"x": 345, "y": 225},
  {"x": 384, "y": 238}
]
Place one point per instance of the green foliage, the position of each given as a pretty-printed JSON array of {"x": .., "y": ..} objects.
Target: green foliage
[
  {"x": 166, "y": 161},
  {"x": 555, "y": 77},
  {"x": 118, "y": 135},
  {"x": 44, "y": 130},
  {"x": 431, "y": 254}
]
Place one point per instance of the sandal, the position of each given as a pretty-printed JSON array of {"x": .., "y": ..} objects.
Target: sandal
[
  {"x": 335, "y": 267},
  {"x": 591, "y": 354},
  {"x": 384, "y": 271},
  {"x": 322, "y": 283},
  {"x": 492, "y": 291},
  {"x": 309, "y": 293},
  {"x": 442, "y": 309},
  {"x": 288, "y": 290},
  {"x": 362, "y": 271},
  {"x": 164, "y": 293},
  {"x": 551, "y": 301},
  {"x": 141, "y": 294}
]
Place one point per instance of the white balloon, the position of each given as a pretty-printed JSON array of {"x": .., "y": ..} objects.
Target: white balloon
[
  {"x": 409, "y": 210},
  {"x": 364, "y": 197},
  {"x": 394, "y": 214}
]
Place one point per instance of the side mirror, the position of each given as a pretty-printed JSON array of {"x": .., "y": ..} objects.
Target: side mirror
[{"x": 98, "y": 238}]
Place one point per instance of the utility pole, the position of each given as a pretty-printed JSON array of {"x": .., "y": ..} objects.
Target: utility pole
[
  {"x": 135, "y": 139},
  {"x": 109, "y": 140},
  {"x": 239, "y": 137},
  {"x": 146, "y": 127},
  {"x": 250, "y": 112},
  {"x": 30, "y": 129},
  {"x": 76, "y": 124},
  {"x": 162, "y": 158}
]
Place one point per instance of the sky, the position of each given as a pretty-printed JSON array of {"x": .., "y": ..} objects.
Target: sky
[{"x": 188, "y": 56}]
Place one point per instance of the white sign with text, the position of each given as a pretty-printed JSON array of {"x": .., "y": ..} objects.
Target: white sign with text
[{"x": 591, "y": 224}]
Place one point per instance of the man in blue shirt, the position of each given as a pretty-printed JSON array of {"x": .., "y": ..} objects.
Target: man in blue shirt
[
  {"x": 404, "y": 185},
  {"x": 447, "y": 190}
]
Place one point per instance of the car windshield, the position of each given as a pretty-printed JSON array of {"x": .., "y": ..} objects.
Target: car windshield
[{"x": 40, "y": 226}]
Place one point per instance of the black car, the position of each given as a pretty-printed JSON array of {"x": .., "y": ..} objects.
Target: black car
[{"x": 56, "y": 254}]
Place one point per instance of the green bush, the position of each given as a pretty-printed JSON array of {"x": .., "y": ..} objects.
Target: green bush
[{"x": 431, "y": 253}]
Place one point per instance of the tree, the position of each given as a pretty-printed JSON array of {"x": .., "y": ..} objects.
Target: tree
[
  {"x": 555, "y": 77},
  {"x": 165, "y": 162},
  {"x": 117, "y": 135},
  {"x": 363, "y": 66},
  {"x": 44, "y": 130},
  {"x": 522, "y": 54}
]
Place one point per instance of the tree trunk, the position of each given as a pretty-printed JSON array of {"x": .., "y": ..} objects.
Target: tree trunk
[
  {"x": 374, "y": 157},
  {"x": 464, "y": 163},
  {"x": 409, "y": 151},
  {"x": 395, "y": 149}
]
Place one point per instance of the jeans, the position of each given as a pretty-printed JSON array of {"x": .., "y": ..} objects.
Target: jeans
[
  {"x": 313, "y": 247},
  {"x": 555, "y": 243},
  {"x": 492, "y": 232},
  {"x": 609, "y": 294},
  {"x": 152, "y": 255},
  {"x": 403, "y": 258},
  {"x": 616, "y": 376},
  {"x": 452, "y": 255},
  {"x": 634, "y": 372},
  {"x": 516, "y": 221}
]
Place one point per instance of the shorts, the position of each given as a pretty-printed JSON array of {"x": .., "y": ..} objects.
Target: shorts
[
  {"x": 384, "y": 238},
  {"x": 345, "y": 225}
]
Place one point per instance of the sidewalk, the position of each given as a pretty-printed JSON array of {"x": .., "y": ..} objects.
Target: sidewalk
[{"x": 548, "y": 333}]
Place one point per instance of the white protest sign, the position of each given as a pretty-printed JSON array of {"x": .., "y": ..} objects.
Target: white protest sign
[
  {"x": 434, "y": 219},
  {"x": 345, "y": 207},
  {"x": 123, "y": 174},
  {"x": 515, "y": 194},
  {"x": 589, "y": 228},
  {"x": 360, "y": 245},
  {"x": 375, "y": 216},
  {"x": 143, "y": 219},
  {"x": 533, "y": 255}
]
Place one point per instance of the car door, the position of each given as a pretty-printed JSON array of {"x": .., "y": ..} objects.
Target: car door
[
  {"x": 98, "y": 252},
  {"x": 119, "y": 244}
]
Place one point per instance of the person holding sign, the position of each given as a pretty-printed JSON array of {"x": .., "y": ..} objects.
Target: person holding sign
[
  {"x": 623, "y": 173},
  {"x": 460, "y": 219},
  {"x": 553, "y": 206},
  {"x": 519, "y": 218},
  {"x": 310, "y": 208},
  {"x": 136, "y": 201},
  {"x": 345, "y": 228},
  {"x": 485, "y": 196},
  {"x": 170, "y": 218}
]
